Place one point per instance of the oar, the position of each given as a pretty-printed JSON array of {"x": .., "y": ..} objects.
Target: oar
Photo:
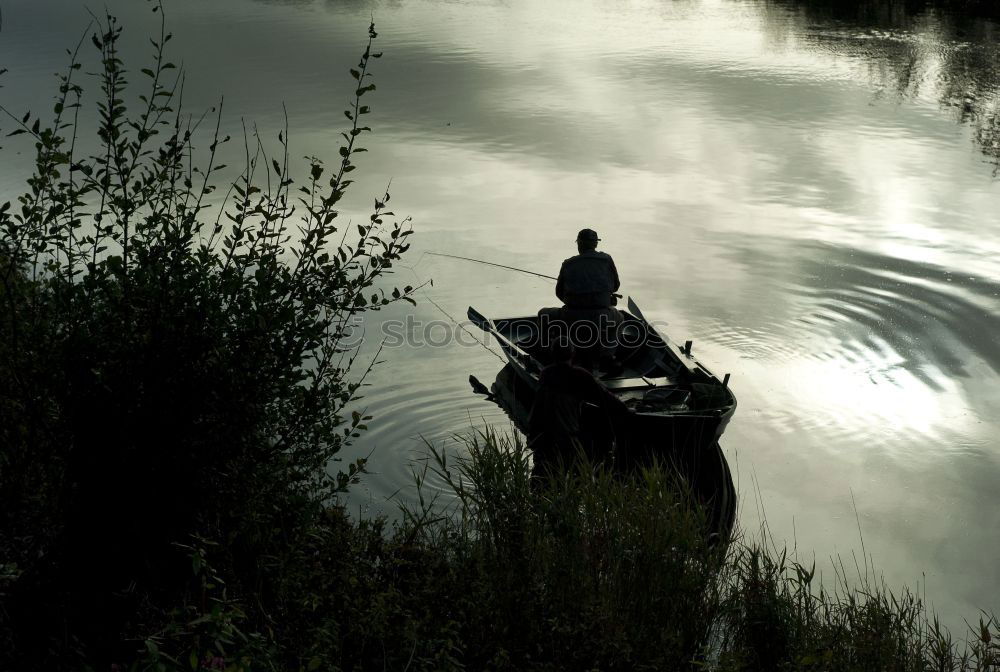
[
  {"x": 481, "y": 320},
  {"x": 479, "y": 388},
  {"x": 486, "y": 324},
  {"x": 634, "y": 309}
]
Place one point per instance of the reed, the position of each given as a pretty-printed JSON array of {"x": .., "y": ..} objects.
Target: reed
[{"x": 589, "y": 571}]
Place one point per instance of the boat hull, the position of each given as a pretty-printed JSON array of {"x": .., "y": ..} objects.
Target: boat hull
[
  {"x": 642, "y": 442},
  {"x": 684, "y": 437}
]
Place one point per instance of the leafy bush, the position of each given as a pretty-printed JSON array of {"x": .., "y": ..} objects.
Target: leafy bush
[{"x": 167, "y": 371}]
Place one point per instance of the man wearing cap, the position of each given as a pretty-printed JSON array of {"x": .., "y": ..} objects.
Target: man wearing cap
[
  {"x": 586, "y": 285},
  {"x": 590, "y": 279}
]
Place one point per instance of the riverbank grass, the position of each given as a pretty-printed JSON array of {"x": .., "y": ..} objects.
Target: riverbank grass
[{"x": 589, "y": 571}]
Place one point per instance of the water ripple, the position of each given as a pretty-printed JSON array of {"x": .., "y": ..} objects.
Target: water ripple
[
  {"x": 924, "y": 314},
  {"x": 409, "y": 418},
  {"x": 864, "y": 346}
]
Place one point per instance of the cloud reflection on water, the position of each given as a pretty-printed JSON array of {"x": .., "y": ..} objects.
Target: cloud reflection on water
[
  {"x": 848, "y": 348},
  {"x": 754, "y": 189}
]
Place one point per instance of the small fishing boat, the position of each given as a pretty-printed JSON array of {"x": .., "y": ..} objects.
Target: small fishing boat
[{"x": 679, "y": 408}]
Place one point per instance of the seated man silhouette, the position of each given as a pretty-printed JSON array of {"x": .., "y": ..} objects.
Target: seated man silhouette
[
  {"x": 589, "y": 280},
  {"x": 586, "y": 285},
  {"x": 572, "y": 414}
]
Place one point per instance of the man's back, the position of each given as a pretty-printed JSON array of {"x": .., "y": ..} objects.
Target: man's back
[{"x": 588, "y": 280}]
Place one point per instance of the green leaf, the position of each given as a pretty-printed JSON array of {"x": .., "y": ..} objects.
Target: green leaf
[{"x": 314, "y": 664}]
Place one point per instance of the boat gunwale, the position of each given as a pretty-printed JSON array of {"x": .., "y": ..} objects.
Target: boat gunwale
[{"x": 694, "y": 368}]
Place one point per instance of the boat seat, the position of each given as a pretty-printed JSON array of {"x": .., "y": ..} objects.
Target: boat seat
[{"x": 620, "y": 384}]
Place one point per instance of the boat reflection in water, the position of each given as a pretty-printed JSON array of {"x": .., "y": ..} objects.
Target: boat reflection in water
[{"x": 678, "y": 408}]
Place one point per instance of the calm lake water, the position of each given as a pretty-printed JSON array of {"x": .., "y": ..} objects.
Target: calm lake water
[{"x": 809, "y": 196}]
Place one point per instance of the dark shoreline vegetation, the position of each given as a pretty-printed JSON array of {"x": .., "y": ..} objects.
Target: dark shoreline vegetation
[
  {"x": 173, "y": 389},
  {"x": 881, "y": 12}
]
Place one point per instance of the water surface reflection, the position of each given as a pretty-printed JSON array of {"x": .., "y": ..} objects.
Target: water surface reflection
[
  {"x": 788, "y": 183},
  {"x": 940, "y": 50}
]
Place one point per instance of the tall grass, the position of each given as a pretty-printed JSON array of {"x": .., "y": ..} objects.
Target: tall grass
[
  {"x": 582, "y": 571},
  {"x": 589, "y": 571},
  {"x": 582, "y": 568}
]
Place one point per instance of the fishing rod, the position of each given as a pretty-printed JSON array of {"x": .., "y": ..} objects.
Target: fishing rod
[
  {"x": 490, "y": 263},
  {"x": 448, "y": 315}
]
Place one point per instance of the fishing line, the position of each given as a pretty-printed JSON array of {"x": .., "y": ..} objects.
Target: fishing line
[
  {"x": 412, "y": 269},
  {"x": 490, "y": 263},
  {"x": 459, "y": 325}
]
